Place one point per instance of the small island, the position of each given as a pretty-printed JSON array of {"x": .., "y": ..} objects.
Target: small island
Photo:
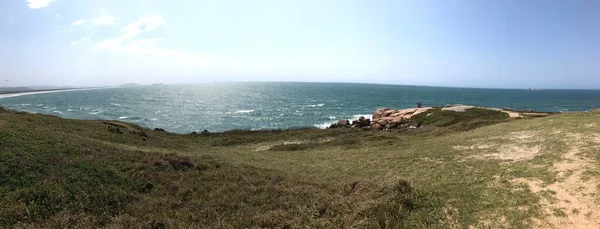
[{"x": 131, "y": 85}]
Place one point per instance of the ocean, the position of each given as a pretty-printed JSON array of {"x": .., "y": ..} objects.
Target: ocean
[{"x": 220, "y": 107}]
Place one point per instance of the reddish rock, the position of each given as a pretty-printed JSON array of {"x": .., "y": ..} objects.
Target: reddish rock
[
  {"x": 342, "y": 123},
  {"x": 388, "y": 113},
  {"x": 390, "y": 119},
  {"x": 376, "y": 126},
  {"x": 379, "y": 113}
]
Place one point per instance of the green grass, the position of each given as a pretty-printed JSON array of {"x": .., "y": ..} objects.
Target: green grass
[{"x": 71, "y": 173}]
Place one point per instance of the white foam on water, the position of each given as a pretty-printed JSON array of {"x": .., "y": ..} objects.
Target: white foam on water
[
  {"x": 57, "y": 112},
  {"x": 43, "y": 92},
  {"x": 317, "y": 105},
  {"x": 324, "y": 125},
  {"x": 95, "y": 112},
  {"x": 244, "y": 111},
  {"x": 123, "y": 117},
  {"x": 336, "y": 119}
]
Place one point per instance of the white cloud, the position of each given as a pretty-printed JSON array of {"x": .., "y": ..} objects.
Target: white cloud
[
  {"x": 103, "y": 11},
  {"x": 105, "y": 20},
  {"x": 144, "y": 24},
  {"x": 38, "y": 4},
  {"x": 80, "y": 41},
  {"x": 57, "y": 16},
  {"x": 79, "y": 22},
  {"x": 129, "y": 43}
]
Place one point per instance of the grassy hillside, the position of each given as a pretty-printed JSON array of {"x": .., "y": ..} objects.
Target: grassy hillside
[{"x": 456, "y": 172}]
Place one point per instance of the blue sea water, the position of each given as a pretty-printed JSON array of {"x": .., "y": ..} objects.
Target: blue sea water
[{"x": 226, "y": 106}]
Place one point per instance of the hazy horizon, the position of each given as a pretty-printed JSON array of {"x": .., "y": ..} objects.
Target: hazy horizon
[
  {"x": 472, "y": 44},
  {"x": 309, "y": 82}
]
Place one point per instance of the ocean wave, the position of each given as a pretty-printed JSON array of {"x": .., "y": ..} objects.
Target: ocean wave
[
  {"x": 316, "y": 105},
  {"x": 324, "y": 125},
  {"x": 115, "y": 104},
  {"x": 244, "y": 111},
  {"x": 356, "y": 117},
  {"x": 335, "y": 119},
  {"x": 123, "y": 117},
  {"x": 95, "y": 112},
  {"x": 58, "y": 112}
]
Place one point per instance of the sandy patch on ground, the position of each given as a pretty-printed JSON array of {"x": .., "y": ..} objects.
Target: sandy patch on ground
[
  {"x": 512, "y": 114},
  {"x": 474, "y": 147},
  {"x": 506, "y": 152},
  {"x": 574, "y": 197},
  {"x": 452, "y": 217},
  {"x": 263, "y": 148},
  {"x": 516, "y": 153},
  {"x": 595, "y": 138},
  {"x": 266, "y": 147},
  {"x": 522, "y": 135}
]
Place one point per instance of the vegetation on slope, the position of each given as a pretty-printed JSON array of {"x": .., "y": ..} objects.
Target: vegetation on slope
[{"x": 57, "y": 173}]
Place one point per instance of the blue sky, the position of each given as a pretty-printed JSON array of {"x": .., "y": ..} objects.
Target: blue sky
[{"x": 494, "y": 43}]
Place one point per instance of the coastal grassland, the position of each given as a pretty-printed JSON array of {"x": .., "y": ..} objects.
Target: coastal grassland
[{"x": 476, "y": 172}]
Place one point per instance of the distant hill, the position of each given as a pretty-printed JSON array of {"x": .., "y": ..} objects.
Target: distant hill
[
  {"x": 130, "y": 85},
  {"x": 49, "y": 87},
  {"x": 6, "y": 90},
  {"x": 14, "y": 89}
]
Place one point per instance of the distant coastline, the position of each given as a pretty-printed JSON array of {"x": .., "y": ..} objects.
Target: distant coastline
[
  {"x": 4, "y": 94},
  {"x": 34, "y": 91}
]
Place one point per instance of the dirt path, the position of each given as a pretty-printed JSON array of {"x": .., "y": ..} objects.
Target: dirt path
[{"x": 573, "y": 205}]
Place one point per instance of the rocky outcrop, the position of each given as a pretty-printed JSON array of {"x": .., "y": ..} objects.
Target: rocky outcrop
[
  {"x": 341, "y": 123},
  {"x": 361, "y": 122},
  {"x": 385, "y": 118}
]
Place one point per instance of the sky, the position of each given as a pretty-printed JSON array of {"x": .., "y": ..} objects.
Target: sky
[{"x": 467, "y": 43}]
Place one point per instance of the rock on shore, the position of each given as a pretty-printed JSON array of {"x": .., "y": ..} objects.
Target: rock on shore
[{"x": 385, "y": 118}]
